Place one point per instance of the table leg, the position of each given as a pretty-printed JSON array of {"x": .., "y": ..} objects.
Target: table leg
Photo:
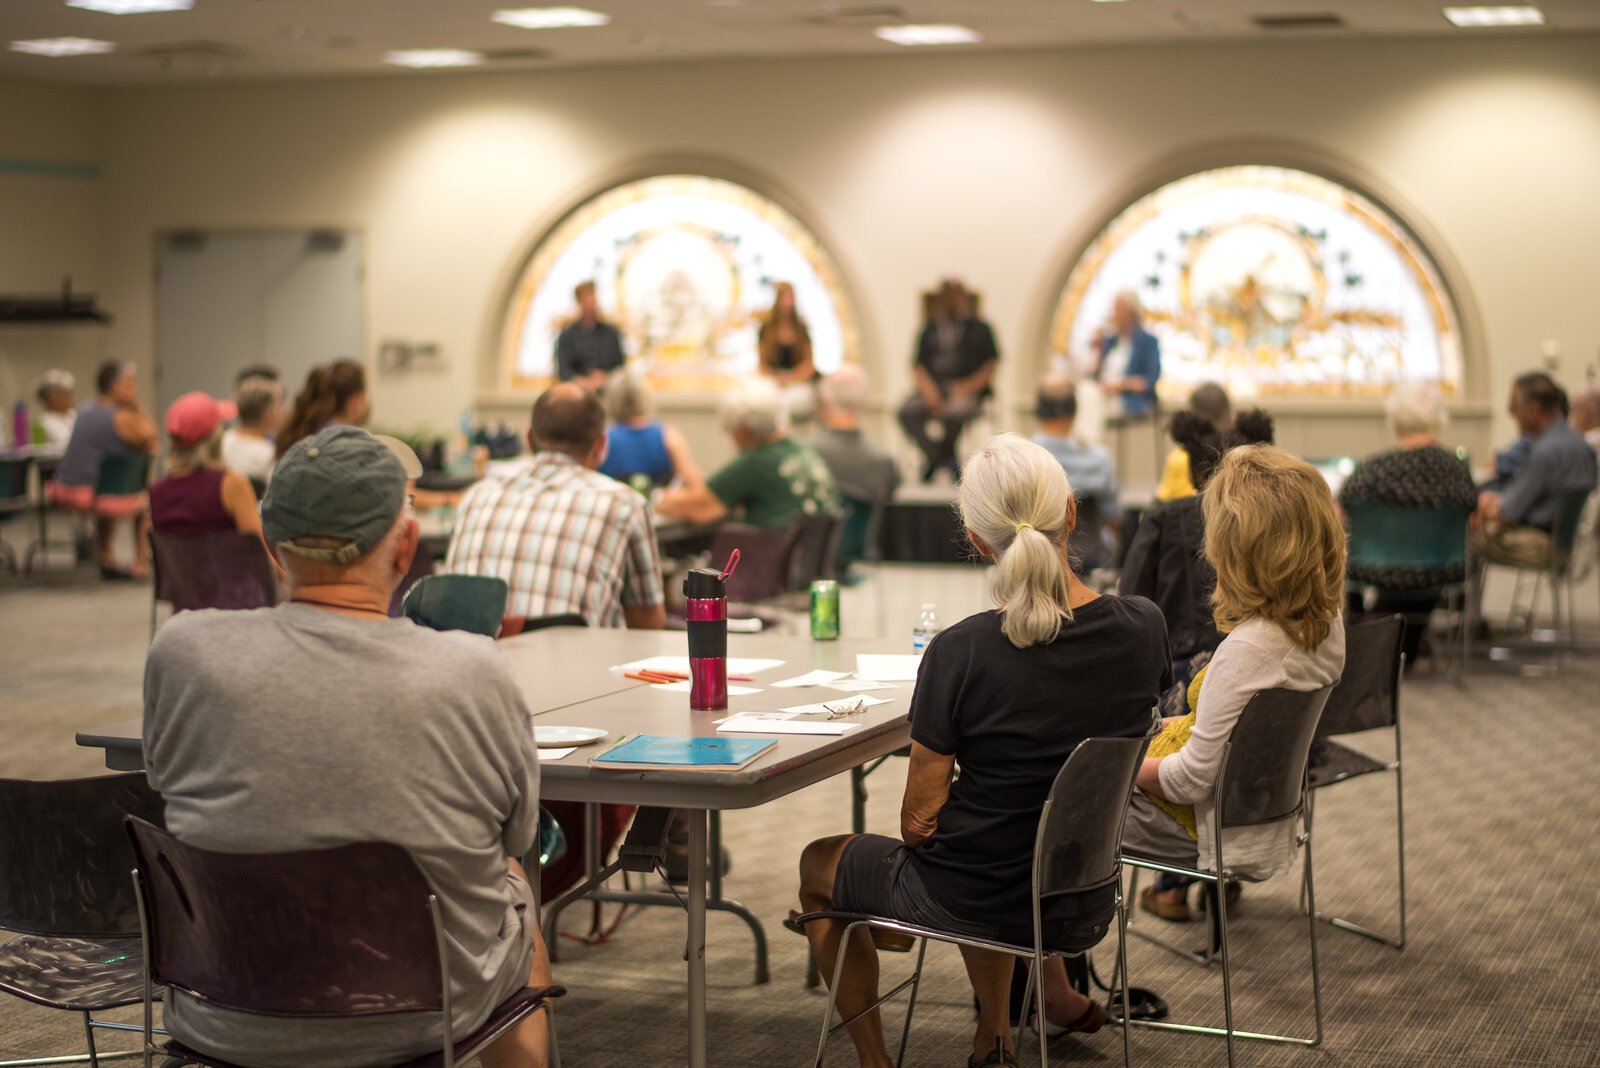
[{"x": 695, "y": 951}]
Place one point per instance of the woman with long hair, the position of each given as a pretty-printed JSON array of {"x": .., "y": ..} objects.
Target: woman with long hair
[
  {"x": 784, "y": 341},
  {"x": 334, "y": 393}
]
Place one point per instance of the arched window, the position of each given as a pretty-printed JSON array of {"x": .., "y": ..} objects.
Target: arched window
[
  {"x": 684, "y": 265},
  {"x": 1272, "y": 280}
]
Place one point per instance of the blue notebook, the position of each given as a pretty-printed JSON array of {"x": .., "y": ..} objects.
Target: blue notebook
[{"x": 647, "y": 752}]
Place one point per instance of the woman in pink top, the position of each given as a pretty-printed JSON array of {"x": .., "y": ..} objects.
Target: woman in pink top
[{"x": 197, "y": 495}]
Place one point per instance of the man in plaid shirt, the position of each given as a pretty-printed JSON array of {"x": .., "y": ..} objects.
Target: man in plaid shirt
[{"x": 564, "y": 537}]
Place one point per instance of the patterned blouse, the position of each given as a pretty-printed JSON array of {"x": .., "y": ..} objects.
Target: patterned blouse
[{"x": 1423, "y": 478}]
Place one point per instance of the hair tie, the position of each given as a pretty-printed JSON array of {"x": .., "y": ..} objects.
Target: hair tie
[{"x": 1024, "y": 526}]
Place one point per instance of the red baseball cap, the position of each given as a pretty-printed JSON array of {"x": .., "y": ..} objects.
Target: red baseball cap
[{"x": 193, "y": 417}]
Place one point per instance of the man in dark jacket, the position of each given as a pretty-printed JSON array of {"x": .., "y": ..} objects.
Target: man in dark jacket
[{"x": 954, "y": 366}]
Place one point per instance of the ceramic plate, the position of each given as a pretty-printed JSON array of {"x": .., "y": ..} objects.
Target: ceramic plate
[{"x": 560, "y": 737}]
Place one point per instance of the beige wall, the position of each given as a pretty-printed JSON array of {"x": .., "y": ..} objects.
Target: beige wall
[{"x": 996, "y": 167}]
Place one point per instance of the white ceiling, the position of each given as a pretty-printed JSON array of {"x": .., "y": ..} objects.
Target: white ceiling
[{"x": 263, "y": 39}]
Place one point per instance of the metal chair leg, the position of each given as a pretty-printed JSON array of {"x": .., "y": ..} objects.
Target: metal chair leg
[
  {"x": 1122, "y": 966},
  {"x": 1311, "y": 927},
  {"x": 911, "y": 1005},
  {"x": 833, "y": 994},
  {"x": 1221, "y": 914}
]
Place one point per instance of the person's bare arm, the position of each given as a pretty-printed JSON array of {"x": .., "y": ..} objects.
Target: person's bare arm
[
  {"x": 645, "y": 616},
  {"x": 239, "y": 501},
  {"x": 683, "y": 465},
  {"x": 137, "y": 429},
  {"x": 927, "y": 789},
  {"x": 693, "y": 504},
  {"x": 1150, "y": 776}
]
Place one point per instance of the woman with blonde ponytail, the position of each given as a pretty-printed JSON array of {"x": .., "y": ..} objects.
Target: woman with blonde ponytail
[{"x": 1007, "y": 694}]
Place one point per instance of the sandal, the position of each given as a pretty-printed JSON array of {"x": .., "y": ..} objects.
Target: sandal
[
  {"x": 1093, "y": 1018},
  {"x": 994, "y": 1058},
  {"x": 1151, "y": 901}
]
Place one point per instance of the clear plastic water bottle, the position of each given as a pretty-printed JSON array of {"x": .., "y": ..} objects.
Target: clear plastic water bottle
[{"x": 927, "y": 626}]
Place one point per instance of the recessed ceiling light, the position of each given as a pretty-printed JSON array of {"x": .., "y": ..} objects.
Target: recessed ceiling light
[
  {"x": 927, "y": 35},
  {"x": 131, "y": 7},
  {"x": 1477, "y": 17},
  {"x": 63, "y": 46},
  {"x": 550, "y": 18},
  {"x": 422, "y": 58}
]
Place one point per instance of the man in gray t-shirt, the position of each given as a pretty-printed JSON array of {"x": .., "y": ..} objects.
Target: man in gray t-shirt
[{"x": 322, "y": 722}]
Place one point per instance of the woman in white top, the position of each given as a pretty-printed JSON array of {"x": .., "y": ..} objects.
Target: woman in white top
[
  {"x": 57, "y": 412},
  {"x": 1274, "y": 537},
  {"x": 247, "y": 447}
]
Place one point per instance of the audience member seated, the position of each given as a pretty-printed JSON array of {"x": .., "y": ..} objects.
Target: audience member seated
[
  {"x": 565, "y": 538},
  {"x": 1209, "y": 401},
  {"x": 953, "y": 368},
  {"x": 1006, "y": 694},
  {"x": 1130, "y": 359},
  {"x": 588, "y": 349},
  {"x": 247, "y": 446},
  {"x": 862, "y": 470},
  {"x": 335, "y": 394},
  {"x": 774, "y": 478},
  {"x": 57, "y": 410},
  {"x": 1417, "y": 474},
  {"x": 1586, "y": 414},
  {"x": 639, "y": 444},
  {"x": 1088, "y": 466},
  {"x": 784, "y": 342},
  {"x": 198, "y": 495},
  {"x": 1273, "y": 537},
  {"x": 1512, "y": 524},
  {"x": 360, "y": 728},
  {"x": 114, "y": 424}
]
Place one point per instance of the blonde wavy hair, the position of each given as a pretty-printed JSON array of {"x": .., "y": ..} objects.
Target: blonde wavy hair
[
  {"x": 1014, "y": 495},
  {"x": 1275, "y": 540}
]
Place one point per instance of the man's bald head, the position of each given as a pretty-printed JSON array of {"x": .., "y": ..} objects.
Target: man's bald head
[{"x": 568, "y": 418}]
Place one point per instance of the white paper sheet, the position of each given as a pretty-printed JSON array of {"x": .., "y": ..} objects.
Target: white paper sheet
[
  {"x": 680, "y": 664},
  {"x": 857, "y": 685},
  {"x": 556, "y": 754},
  {"x": 887, "y": 667},
  {"x": 811, "y": 678},
  {"x": 825, "y": 708},
  {"x": 752, "y": 725},
  {"x": 684, "y": 687}
]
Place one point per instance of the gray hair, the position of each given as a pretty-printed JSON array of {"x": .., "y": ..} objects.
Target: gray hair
[
  {"x": 255, "y": 397},
  {"x": 51, "y": 381},
  {"x": 845, "y": 390},
  {"x": 1415, "y": 408},
  {"x": 628, "y": 397},
  {"x": 1130, "y": 297},
  {"x": 755, "y": 405},
  {"x": 1014, "y": 495}
]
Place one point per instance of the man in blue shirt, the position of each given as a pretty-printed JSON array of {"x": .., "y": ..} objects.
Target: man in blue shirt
[
  {"x": 1088, "y": 467},
  {"x": 1512, "y": 524}
]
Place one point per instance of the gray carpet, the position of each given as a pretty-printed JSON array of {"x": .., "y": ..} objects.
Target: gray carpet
[{"x": 1502, "y": 969}]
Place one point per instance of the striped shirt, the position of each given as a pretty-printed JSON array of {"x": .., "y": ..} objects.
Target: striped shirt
[{"x": 563, "y": 537}]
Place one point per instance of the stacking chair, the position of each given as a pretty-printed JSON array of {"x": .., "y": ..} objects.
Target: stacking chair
[
  {"x": 119, "y": 489},
  {"x": 1261, "y": 782},
  {"x": 1383, "y": 536},
  {"x": 227, "y": 570},
  {"x": 352, "y": 931},
  {"x": 816, "y": 546},
  {"x": 64, "y": 889},
  {"x": 1556, "y": 570},
  {"x": 1074, "y": 852},
  {"x": 764, "y": 557},
  {"x": 1366, "y": 698},
  {"x": 473, "y": 603},
  {"x": 13, "y": 501}
]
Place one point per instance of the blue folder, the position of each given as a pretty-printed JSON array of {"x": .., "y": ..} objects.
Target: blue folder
[{"x": 653, "y": 751}]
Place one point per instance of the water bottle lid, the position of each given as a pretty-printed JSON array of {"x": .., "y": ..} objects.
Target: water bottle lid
[
  {"x": 704, "y": 583},
  {"x": 928, "y": 607}
]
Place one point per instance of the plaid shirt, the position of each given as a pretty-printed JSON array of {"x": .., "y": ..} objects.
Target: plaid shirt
[{"x": 563, "y": 537}]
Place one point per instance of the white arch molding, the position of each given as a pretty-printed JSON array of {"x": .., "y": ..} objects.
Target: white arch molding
[{"x": 684, "y": 258}]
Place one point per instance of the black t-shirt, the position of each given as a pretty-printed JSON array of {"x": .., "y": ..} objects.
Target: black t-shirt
[{"x": 1012, "y": 717}]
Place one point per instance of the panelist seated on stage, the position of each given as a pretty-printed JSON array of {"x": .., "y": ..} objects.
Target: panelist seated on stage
[
  {"x": 1513, "y": 522},
  {"x": 589, "y": 348},
  {"x": 1129, "y": 358},
  {"x": 862, "y": 470},
  {"x": 774, "y": 479},
  {"x": 322, "y": 722},
  {"x": 637, "y": 443},
  {"x": 953, "y": 368},
  {"x": 563, "y": 537}
]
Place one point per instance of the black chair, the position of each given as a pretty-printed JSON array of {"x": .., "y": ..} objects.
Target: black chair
[
  {"x": 422, "y": 566},
  {"x": 475, "y": 603},
  {"x": 228, "y": 570},
  {"x": 1366, "y": 698},
  {"x": 764, "y": 555},
  {"x": 64, "y": 889},
  {"x": 14, "y": 501},
  {"x": 1261, "y": 782},
  {"x": 351, "y": 931},
  {"x": 1074, "y": 852},
  {"x": 815, "y": 549},
  {"x": 511, "y": 626}
]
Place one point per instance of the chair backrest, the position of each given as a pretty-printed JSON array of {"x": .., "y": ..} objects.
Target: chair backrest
[
  {"x": 1389, "y": 537},
  {"x": 64, "y": 858},
  {"x": 1264, "y": 763},
  {"x": 764, "y": 552},
  {"x": 815, "y": 546},
  {"x": 225, "y": 570},
  {"x": 858, "y": 531},
  {"x": 345, "y": 931},
  {"x": 474, "y": 603},
  {"x": 511, "y": 626},
  {"x": 1080, "y": 830},
  {"x": 1367, "y": 695},
  {"x": 14, "y": 479},
  {"x": 1087, "y": 544},
  {"x": 122, "y": 474},
  {"x": 1569, "y": 510}
]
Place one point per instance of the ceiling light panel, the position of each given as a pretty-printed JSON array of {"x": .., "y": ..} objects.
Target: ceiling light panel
[
  {"x": 912, "y": 35},
  {"x": 550, "y": 18},
  {"x": 56, "y": 47},
  {"x": 131, "y": 7},
  {"x": 430, "y": 58},
  {"x": 1480, "y": 17}
]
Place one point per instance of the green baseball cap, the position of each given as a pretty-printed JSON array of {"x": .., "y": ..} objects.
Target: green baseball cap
[{"x": 340, "y": 483}]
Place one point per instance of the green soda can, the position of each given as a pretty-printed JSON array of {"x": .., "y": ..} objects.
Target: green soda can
[{"x": 824, "y": 610}]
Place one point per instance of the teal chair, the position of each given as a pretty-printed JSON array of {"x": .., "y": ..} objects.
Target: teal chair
[
  {"x": 457, "y": 602},
  {"x": 1425, "y": 539}
]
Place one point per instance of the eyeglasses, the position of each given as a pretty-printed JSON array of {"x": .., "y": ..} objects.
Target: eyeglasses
[{"x": 841, "y": 709}]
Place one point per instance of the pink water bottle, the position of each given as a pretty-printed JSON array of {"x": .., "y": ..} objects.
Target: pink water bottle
[
  {"x": 21, "y": 426},
  {"x": 706, "y": 613}
]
